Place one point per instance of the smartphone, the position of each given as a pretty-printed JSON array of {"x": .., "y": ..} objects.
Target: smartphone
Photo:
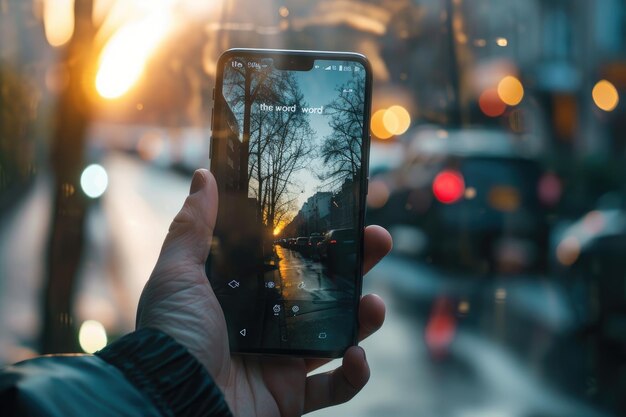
[{"x": 289, "y": 151}]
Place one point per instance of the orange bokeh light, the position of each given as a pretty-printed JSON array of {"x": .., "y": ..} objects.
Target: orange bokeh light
[
  {"x": 605, "y": 95},
  {"x": 568, "y": 251},
  {"x": 397, "y": 120},
  {"x": 510, "y": 90},
  {"x": 378, "y": 125},
  {"x": 491, "y": 104}
]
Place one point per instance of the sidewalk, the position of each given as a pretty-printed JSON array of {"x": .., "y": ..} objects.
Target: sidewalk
[
  {"x": 23, "y": 233},
  {"x": 124, "y": 232}
]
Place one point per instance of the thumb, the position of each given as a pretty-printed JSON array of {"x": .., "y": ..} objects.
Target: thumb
[{"x": 189, "y": 236}]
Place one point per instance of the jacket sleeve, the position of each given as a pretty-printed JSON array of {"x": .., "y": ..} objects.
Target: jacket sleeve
[{"x": 145, "y": 373}]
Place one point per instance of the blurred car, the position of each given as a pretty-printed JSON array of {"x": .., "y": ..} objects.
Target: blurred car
[
  {"x": 474, "y": 195},
  {"x": 589, "y": 255}
]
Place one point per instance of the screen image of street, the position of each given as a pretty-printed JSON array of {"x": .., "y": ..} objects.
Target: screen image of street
[{"x": 287, "y": 156}]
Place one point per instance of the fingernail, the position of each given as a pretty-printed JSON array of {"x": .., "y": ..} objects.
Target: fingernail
[
  {"x": 197, "y": 182},
  {"x": 363, "y": 353}
]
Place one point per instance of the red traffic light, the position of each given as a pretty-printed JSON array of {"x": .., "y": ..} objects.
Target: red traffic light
[{"x": 448, "y": 186}]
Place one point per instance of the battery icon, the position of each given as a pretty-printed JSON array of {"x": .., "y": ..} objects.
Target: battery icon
[{"x": 340, "y": 67}]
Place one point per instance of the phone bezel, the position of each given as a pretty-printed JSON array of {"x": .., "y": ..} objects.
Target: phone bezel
[{"x": 299, "y": 55}]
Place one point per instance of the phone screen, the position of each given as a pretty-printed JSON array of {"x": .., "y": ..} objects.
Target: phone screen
[{"x": 289, "y": 153}]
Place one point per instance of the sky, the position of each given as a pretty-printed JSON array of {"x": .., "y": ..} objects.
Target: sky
[{"x": 319, "y": 87}]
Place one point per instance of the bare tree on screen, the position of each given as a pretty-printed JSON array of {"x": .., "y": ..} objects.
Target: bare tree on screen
[
  {"x": 280, "y": 146},
  {"x": 341, "y": 150},
  {"x": 276, "y": 142}
]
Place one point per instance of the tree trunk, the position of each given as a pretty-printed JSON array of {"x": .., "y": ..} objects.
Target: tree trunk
[{"x": 66, "y": 240}]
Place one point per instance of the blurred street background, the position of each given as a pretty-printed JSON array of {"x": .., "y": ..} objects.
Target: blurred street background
[{"x": 498, "y": 163}]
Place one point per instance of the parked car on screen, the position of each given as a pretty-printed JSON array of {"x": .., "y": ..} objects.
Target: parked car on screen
[
  {"x": 301, "y": 244},
  {"x": 312, "y": 247},
  {"x": 338, "y": 245}
]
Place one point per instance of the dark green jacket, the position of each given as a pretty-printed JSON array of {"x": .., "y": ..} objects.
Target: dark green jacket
[{"x": 146, "y": 373}]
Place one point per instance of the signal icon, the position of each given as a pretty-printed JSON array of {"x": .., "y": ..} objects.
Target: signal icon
[{"x": 328, "y": 68}]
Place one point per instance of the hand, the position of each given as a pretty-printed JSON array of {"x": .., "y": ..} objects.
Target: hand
[{"x": 179, "y": 301}]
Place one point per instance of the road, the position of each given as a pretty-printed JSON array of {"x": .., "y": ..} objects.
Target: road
[
  {"x": 450, "y": 346},
  {"x": 315, "y": 303},
  {"x": 306, "y": 279},
  {"x": 303, "y": 306},
  {"x": 485, "y": 370}
]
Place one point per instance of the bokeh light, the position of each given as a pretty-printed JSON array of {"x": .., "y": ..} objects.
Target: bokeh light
[
  {"x": 377, "y": 194},
  {"x": 491, "y": 104},
  {"x": 502, "y": 42},
  {"x": 464, "y": 307},
  {"x": 58, "y": 21},
  {"x": 92, "y": 336},
  {"x": 94, "y": 181},
  {"x": 594, "y": 222},
  {"x": 568, "y": 250},
  {"x": 549, "y": 189},
  {"x": 510, "y": 90},
  {"x": 124, "y": 57},
  {"x": 400, "y": 119},
  {"x": 605, "y": 95},
  {"x": 378, "y": 125},
  {"x": 481, "y": 43},
  {"x": 393, "y": 121},
  {"x": 504, "y": 198},
  {"x": 448, "y": 186},
  {"x": 441, "y": 328}
]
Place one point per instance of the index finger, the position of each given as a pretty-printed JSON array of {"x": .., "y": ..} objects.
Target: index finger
[{"x": 377, "y": 243}]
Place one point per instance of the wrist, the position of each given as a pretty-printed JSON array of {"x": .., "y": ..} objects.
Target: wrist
[{"x": 163, "y": 370}]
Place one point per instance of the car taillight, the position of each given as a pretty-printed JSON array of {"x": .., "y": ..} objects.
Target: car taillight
[
  {"x": 332, "y": 242},
  {"x": 448, "y": 186}
]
